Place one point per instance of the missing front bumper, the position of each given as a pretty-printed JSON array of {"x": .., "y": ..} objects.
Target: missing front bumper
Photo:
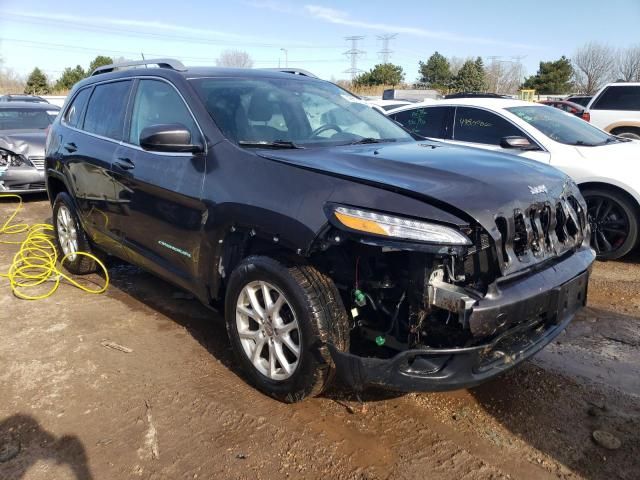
[{"x": 528, "y": 312}]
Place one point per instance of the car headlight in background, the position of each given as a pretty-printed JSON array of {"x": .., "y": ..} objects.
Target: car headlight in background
[
  {"x": 10, "y": 159},
  {"x": 398, "y": 227}
]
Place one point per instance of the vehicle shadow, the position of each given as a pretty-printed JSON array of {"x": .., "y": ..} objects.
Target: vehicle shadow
[{"x": 23, "y": 443}]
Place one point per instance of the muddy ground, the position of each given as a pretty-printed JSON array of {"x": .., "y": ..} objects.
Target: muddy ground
[{"x": 176, "y": 405}]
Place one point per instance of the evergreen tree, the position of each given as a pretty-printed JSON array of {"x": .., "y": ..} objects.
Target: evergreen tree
[
  {"x": 99, "y": 61},
  {"x": 36, "y": 83},
  {"x": 436, "y": 72},
  {"x": 552, "y": 77},
  {"x": 470, "y": 78},
  {"x": 381, "y": 74},
  {"x": 70, "y": 76}
]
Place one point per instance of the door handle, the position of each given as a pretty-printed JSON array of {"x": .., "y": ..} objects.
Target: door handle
[
  {"x": 70, "y": 147},
  {"x": 124, "y": 163}
]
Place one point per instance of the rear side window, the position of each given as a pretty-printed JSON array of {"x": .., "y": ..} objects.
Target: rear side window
[
  {"x": 106, "y": 109},
  {"x": 480, "y": 126},
  {"x": 428, "y": 122},
  {"x": 156, "y": 102},
  {"x": 74, "y": 112},
  {"x": 619, "y": 97}
]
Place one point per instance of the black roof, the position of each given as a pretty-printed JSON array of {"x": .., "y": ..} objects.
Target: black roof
[{"x": 474, "y": 95}]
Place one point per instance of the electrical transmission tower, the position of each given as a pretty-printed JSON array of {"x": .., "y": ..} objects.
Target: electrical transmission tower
[
  {"x": 385, "y": 53},
  {"x": 353, "y": 53}
]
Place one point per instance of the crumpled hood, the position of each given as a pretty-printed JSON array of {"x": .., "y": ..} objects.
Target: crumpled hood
[
  {"x": 29, "y": 143},
  {"x": 480, "y": 183}
]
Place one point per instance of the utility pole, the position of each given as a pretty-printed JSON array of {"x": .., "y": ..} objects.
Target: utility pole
[
  {"x": 353, "y": 53},
  {"x": 517, "y": 59},
  {"x": 286, "y": 57},
  {"x": 385, "y": 53}
]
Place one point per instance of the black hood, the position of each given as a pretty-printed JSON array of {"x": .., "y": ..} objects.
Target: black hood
[
  {"x": 29, "y": 143},
  {"x": 478, "y": 183}
]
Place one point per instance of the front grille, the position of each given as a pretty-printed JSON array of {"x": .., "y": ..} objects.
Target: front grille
[
  {"x": 27, "y": 186},
  {"x": 542, "y": 230},
  {"x": 38, "y": 162}
]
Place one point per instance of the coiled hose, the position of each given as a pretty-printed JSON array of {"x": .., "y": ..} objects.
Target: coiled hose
[{"x": 36, "y": 261}]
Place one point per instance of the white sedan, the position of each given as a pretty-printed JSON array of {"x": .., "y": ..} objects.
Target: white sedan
[{"x": 606, "y": 167}]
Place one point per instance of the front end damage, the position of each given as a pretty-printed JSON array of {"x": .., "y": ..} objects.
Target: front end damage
[
  {"x": 21, "y": 165},
  {"x": 433, "y": 317}
]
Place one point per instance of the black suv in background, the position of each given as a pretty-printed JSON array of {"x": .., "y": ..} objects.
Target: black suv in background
[{"x": 336, "y": 241}]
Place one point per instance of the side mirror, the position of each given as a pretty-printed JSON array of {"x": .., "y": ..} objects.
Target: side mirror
[
  {"x": 520, "y": 143},
  {"x": 172, "y": 137}
]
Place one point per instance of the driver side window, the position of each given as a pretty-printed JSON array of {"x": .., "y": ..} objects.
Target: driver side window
[{"x": 156, "y": 103}]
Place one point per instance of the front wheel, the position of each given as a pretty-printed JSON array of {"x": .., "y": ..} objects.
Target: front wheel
[
  {"x": 279, "y": 318},
  {"x": 614, "y": 222}
]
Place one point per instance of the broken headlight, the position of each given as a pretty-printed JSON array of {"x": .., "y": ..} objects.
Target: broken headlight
[
  {"x": 10, "y": 159},
  {"x": 398, "y": 227}
]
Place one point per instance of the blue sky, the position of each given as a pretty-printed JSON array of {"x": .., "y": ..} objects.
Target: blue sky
[{"x": 37, "y": 33}]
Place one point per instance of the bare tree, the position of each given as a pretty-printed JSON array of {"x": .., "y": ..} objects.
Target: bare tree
[
  {"x": 234, "y": 58},
  {"x": 594, "y": 65},
  {"x": 629, "y": 64},
  {"x": 502, "y": 76},
  {"x": 10, "y": 81}
]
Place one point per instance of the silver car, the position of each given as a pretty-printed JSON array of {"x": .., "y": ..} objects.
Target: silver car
[{"x": 23, "y": 131}]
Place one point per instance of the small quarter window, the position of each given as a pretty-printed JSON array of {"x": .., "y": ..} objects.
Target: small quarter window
[{"x": 74, "y": 112}]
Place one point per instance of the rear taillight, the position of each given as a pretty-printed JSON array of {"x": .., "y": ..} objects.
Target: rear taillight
[{"x": 586, "y": 116}]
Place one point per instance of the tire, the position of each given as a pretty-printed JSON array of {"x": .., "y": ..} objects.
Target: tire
[
  {"x": 628, "y": 132},
  {"x": 614, "y": 222},
  {"x": 71, "y": 229},
  {"x": 312, "y": 300}
]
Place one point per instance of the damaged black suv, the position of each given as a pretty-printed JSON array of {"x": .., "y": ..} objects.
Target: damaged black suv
[{"x": 336, "y": 242}]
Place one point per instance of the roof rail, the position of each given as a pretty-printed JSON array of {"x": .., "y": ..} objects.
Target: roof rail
[
  {"x": 293, "y": 71},
  {"x": 160, "y": 62}
]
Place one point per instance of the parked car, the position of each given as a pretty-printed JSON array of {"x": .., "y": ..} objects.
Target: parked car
[
  {"x": 343, "y": 247},
  {"x": 579, "y": 99},
  {"x": 616, "y": 109},
  {"x": 386, "y": 105},
  {"x": 569, "y": 107},
  {"x": 22, "y": 98},
  {"x": 604, "y": 166},
  {"x": 22, "y": 136}
]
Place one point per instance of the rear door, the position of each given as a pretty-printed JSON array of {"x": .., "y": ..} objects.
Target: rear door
[
  {"x": 477, "y": 127},
  {"x": 160, "y": 191},
  {"x": 430, "y": 122},
  {"x": 94, "y": 125}
]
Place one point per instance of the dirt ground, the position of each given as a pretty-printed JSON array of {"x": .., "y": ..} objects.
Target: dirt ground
[{"x": 176, "y": 406}]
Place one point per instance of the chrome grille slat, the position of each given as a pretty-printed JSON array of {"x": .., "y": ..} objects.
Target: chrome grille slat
[{"x": 38, "y": 162}]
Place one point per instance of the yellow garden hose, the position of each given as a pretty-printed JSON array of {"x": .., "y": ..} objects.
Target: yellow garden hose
[{"x": 36, "y": 262}]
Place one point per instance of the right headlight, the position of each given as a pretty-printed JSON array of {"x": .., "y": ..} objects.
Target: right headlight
[
  {"x": 10, "y": 159},
  {"x": 398, "y": 227}
]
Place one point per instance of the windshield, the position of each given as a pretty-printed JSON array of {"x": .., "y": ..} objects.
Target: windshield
[
  {"x": 24, "y": 119},
  {"x": 307, "y": 113},
  {"x": 561, "y": 126}
]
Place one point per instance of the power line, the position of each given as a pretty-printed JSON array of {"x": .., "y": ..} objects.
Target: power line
[
  {"x": 129, "y": 33},
  {"x": 353, "y": 53},
  {"x": 385, "y": 53}
]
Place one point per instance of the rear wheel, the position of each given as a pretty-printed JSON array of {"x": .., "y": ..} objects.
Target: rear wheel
[
  {"x": 614, "y": 222},
  {"x": 279, "y": 318},
  {"x": 70, "y": 236}
]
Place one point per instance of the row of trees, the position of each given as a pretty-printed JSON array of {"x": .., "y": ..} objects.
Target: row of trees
[
  {"x": 38, "y": 84},
  {"x": 590, "y": 68}
]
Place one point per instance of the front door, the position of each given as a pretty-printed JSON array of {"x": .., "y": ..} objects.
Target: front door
[{"x": 160, "y": 192}]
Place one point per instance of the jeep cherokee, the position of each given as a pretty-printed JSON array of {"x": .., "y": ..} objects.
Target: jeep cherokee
[{"x": 335, "y": 241}]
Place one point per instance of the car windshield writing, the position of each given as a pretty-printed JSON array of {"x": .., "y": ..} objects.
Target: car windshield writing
[
  {"x": 561, "y": 126},
  {"x": 24, "y": 119},
  {"x": 307, "y": 113}
]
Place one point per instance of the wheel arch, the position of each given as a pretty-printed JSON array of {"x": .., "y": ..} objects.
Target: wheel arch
[
  {"x": 634, "y": 199},
  {"x": 56, "y": 185}
]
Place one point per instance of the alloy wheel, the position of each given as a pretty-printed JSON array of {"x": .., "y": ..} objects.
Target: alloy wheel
[
  {"x": 268, "y": 330},
  {"x": 67, "y": 233},
  {"x": 609, "y": 224}
]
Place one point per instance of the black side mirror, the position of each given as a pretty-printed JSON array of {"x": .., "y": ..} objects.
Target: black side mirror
[
  {"x": 520, "y": 143},
  {"x": 172, "y": 137}
]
